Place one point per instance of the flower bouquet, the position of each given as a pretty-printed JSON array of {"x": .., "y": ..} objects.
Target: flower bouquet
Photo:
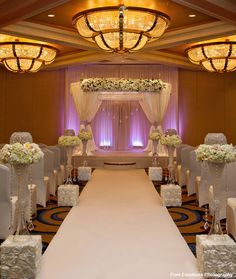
[
  {"x": 17, "y": 153},
  {"x": 171, "y": 141},
  {"x": 68, "y": 140},
  {"x": 85, "y": 135},
  {"x": 20, "y": 156}
]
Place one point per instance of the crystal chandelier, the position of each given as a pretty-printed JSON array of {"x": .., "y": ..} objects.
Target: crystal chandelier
[
  {"x": 121, "y": 29},
  {"x": 23, "y": 57},
  {"x": 217, "y": 57}
]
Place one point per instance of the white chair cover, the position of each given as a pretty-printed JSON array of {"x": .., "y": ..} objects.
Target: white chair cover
[
  {"x": 49, "y": 170},
  {"x": 57, "y": 163},
  {"x": 37, "y": 178},
  {"x": 185, "y": 162},
  {"x": 8, "y": 205},
  {"x": 178, "y": 153},
  {"x": 195, "y": 170}
]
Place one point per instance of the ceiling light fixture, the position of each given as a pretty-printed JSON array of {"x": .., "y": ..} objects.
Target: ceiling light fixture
[
  {"x": 23, "y": 57},
  {"x": 51, "y": 15},
  {"x": 121, "y": 29},
  {"x": 192, "y": 15},
  {"x": 217, "y": 57}
]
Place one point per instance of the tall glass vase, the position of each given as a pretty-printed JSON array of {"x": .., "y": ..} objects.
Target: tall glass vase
[
  {"x": 155, "y": 162},
  {"x": 69, "y": 166},
  {"x": 170, "y": 150},
  {"x": 22, "y": 171},
  {"x": 84, "y": 143},
  {"x": 216, "y": 171}
]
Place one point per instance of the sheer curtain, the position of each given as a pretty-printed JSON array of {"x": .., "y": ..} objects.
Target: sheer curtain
[
  {"x": 120, "y": 125},
  {"x": 166, "y": 73}
]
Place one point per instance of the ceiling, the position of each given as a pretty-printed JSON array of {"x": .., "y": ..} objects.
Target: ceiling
[{"x": 29, "y": 19}]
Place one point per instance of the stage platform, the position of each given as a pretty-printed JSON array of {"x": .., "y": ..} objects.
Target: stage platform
[{"x": 120, "y": 159}]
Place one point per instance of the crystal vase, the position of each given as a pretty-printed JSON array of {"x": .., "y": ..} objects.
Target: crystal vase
[
  {"x": 22, "y": 171},
  {"x": 154, "y": 143},
  {"x": 84, "y": 152},
  {"x": 69, "y": 166},
  {"x": 170, "y": 150},
  {"x": 216, "y": 171}
]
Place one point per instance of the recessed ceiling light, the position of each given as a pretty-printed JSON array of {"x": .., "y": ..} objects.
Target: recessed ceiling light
[
  {"x": 191, "y": 15},
  {"x": 51, "y": 15}
]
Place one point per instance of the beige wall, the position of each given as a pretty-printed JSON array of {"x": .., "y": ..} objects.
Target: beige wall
[
  {"x": 33, "y": 103},
  {"x": 207, "y": 103}
]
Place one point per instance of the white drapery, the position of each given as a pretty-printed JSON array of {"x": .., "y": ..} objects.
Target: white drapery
[
  {"x": 155, "y": 104},
  {"x": 86, "y": 103},
  {"x": 166, "y": 73}
]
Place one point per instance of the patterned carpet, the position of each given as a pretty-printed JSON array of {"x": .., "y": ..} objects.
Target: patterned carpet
[{"x": 189, "y": 218}]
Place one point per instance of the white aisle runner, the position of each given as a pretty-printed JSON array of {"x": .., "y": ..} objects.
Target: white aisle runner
[{"x": 119, "y": 230}]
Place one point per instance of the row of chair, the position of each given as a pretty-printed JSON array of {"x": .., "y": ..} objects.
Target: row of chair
[{"x": 44, "y": 177}]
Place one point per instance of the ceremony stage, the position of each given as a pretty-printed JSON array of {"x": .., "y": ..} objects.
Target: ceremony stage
[{"x": 129, "y": 159}]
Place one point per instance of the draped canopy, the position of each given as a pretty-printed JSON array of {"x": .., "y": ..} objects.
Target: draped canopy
[{"x": 154, "y": 104}]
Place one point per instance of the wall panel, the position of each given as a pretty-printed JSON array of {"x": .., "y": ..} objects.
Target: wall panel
[
  {"x": 34, "y": 103},
  {"x": 208, "y": 100}
]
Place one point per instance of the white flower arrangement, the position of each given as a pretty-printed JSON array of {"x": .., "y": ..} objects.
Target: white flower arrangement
[
  {"x": 216, "y": 153},
  {"x": 85, "y": 135},
  {"x": 171, "y": 140},
  {"x": 114, "y": 84},
  {"x": 68, "y": 140},
  {"x": 155, "y": 135},
  {"x": 17, "y": 153}
]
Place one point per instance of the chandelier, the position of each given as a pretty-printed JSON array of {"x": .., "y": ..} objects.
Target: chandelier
[
  {"x": 217, "y": 57},
  {"x": 121, "y": 29},
  {"x": 23, "y": 57}
]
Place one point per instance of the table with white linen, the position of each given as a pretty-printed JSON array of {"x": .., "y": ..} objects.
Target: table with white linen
[{"x": 119, "y": 230}]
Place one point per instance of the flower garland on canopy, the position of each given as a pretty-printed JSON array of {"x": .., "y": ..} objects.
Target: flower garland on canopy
[
  {"x": 114, "y": 84},
  {"x": 17, "y": 153},
  {"x": 216, "y": 153}
]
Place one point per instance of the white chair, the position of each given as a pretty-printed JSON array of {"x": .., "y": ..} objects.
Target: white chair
[
  {"x": 8, "y": 204},
  {"x": 178, "y": 162},
  {"x": 231, "y": 216},
  {"x": 185, "y": 163},
  {"x": 42, "y": 182},
  {"x": 194, "y": 171},
  {"x": 49, "y": 170},
  {"x": 57, "y": 163}
]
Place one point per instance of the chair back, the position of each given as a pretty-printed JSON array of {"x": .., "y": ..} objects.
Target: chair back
[{"x": 5, "y": 184}]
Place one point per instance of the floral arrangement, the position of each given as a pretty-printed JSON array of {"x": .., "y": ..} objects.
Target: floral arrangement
[
  {"x": 17, "y": 153},
  {"x": 155, "y": 135},
  {"x": 114, "y": 84},
  {"x": 85, "y": 135},
  {"x": 216, "y": 153},
  {"x": 171, "y": 140},
  {"x": 68, "y": 140}
]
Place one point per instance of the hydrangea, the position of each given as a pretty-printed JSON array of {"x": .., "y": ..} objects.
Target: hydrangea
[
  {"x": 85, "y": 135},
  {"x": 114, "y": 84},
  {"x": 155, "y": 135},
  {"x": 216, "y": 153},
  {"x": 17, "y": 153},
  {"x": 68, "y": 140},
  {"x": 171, "y": 140}
]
